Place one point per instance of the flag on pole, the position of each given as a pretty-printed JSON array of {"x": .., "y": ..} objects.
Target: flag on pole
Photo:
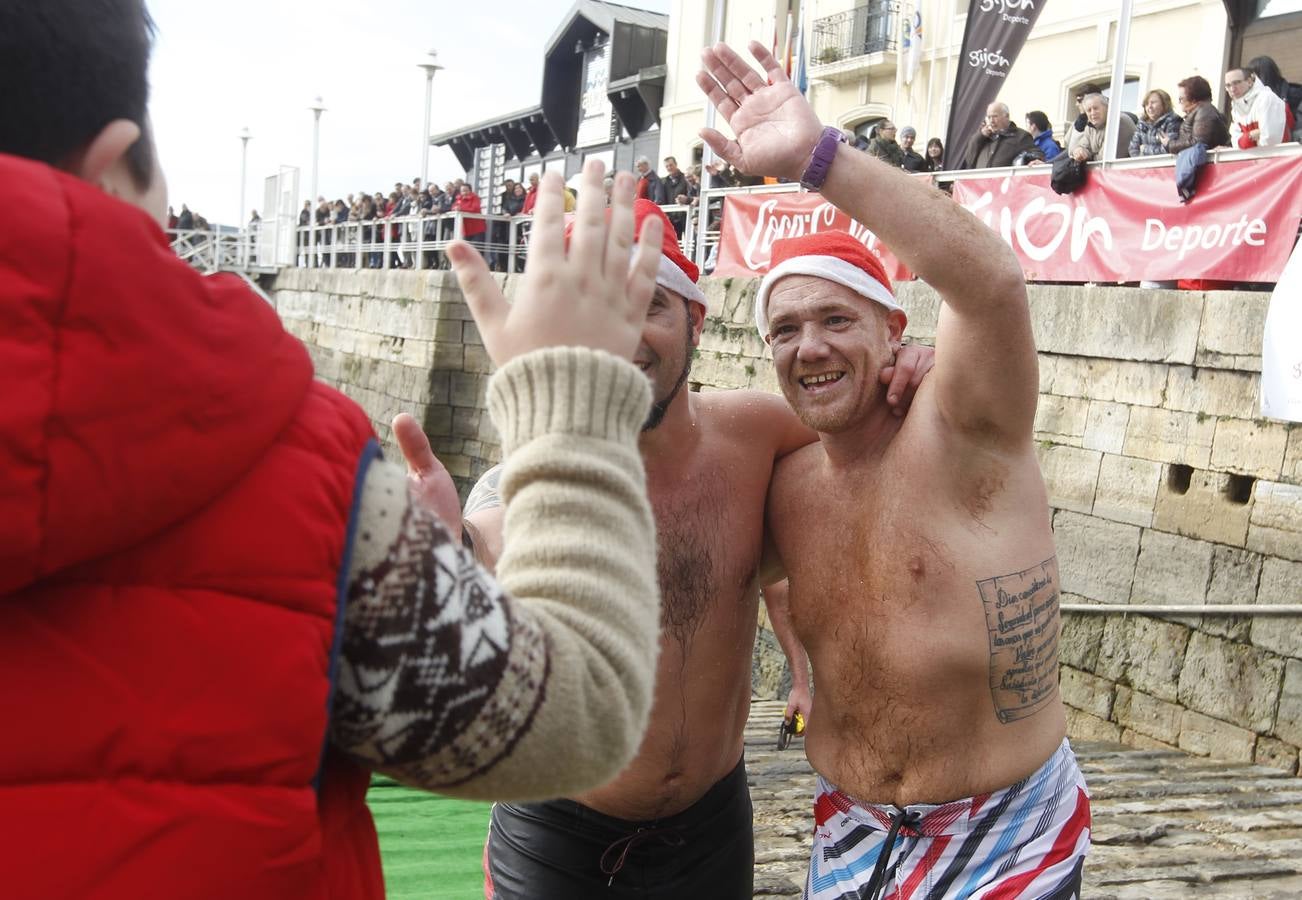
[
  {"x": 801, "y": 78},
  {"x": 913, "y": 48},
  {"x": 786, "y": 49}
]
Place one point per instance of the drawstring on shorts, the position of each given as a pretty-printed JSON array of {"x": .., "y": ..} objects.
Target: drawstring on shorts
[
  {"x": 667, "y": 835},
  {"x": 875, "y": 884}
]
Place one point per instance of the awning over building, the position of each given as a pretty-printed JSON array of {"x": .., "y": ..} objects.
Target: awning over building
[
  {"x": 636, "y": 83},
  {"x": 637, "y": 99},
  {"x": 524, "y": 132}
]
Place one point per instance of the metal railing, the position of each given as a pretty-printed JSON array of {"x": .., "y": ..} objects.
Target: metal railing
[
  {"x": 215, "y": 251},
  {"x": 420, "y": 242},
  {"x": 871, "y": 28}
]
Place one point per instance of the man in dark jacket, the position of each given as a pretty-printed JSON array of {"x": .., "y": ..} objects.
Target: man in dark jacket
[
  {"x": 674, "y": 184},
  {"x": 648, "y": 185},
  {"x": 913, "y": 161},
  {"x": 998, "y": 142}
]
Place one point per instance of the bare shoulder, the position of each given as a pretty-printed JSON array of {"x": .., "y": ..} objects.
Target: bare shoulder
[
  {"x": 757, "y": 419},
  {"x": 793, "y": 473},
  {"x": 751, "y": 404}
]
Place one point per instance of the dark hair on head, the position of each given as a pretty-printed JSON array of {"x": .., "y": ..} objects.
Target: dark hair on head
[
  {"x": 68, "y": 68},
  {"x": 935, "y": 142},
  {"x": 1196, "y": 89},
  {"x": 1086, "y": 89},
  {"x": 1268, "y": 73},
  {"x": 1039, "y": 120}
]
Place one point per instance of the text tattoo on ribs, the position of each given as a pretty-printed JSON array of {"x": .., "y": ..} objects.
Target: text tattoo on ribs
[{"x": 1022, "y": 618}]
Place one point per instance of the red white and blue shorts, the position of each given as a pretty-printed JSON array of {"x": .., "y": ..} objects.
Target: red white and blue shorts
[{"x": 1025, "y": 841}]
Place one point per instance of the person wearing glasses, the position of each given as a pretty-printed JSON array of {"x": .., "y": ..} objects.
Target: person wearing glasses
[
  {"x": 1202, "y": 123},
  {"x": 885, "y": 147},
  {"x": 1257, "y": 114}
]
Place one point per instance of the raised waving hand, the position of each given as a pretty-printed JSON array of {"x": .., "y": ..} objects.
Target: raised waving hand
[
  {"x": 596, "y": 295},
  {"x": 775, "y": 126}
]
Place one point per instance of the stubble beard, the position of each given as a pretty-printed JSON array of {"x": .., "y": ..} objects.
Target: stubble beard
[{"x": 661, "y": 406}]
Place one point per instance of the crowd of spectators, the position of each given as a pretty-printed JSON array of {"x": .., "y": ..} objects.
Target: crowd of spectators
[
  {"x": 374, "y": 213},
  {"x": 1265, "y": 110},
  {"x": 186, "y": 220}
]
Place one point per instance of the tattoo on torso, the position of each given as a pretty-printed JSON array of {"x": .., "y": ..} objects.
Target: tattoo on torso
[{"x": 1022, "y": 619}]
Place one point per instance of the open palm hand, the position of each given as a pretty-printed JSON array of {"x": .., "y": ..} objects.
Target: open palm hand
[{"x": 775, "y": 127}]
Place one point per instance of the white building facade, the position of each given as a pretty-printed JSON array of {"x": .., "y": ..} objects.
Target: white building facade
[{"x": 856, "y": 59}]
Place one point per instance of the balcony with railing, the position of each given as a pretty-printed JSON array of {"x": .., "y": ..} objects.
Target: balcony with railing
[{"x": 856, "y": 42}]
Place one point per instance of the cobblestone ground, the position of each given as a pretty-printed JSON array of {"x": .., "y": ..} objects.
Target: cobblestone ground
[{"x": 1166, "y": 825}]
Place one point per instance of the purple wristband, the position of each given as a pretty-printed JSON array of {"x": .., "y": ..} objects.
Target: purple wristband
[{"x": 820, "y": 161}]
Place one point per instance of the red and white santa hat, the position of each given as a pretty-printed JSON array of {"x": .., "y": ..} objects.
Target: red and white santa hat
[
  {"x": 676, "y": 272},
  {"x": 833, "y": 255}
]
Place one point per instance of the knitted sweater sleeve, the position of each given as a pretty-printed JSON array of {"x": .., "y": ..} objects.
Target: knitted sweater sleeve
[{"x": 537, "y": 684}]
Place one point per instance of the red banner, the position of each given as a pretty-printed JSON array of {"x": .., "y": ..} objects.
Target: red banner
[
  {"x": 1123, "y": 225},
  {"x": 752, "y": 222}
]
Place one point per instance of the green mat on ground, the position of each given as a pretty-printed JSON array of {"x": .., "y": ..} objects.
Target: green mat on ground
[{"x": 431, "y": 846}]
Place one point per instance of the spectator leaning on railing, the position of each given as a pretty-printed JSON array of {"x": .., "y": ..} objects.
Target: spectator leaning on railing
[
  {"x": 935, "y": 156},
  {"x": 913, "y": 161},
  {"x": 1259, "y": 118},
  {"x": 1157, "y": 118},
  {"x": 1202, "y": 122},
  {"x": 1088, "y": 145},
  {"x": 648, "y": 186},
  {"x": 884, "y": 147},
  {"x": 673, "y": 184},
  {"x": 531, "y": 195},
  {"x": 1081, "y": 120},
  {"x": 468, "y": 202},
  {"x": 1037, "y": 124},
  {"x": 998, "y": 142},
  {"x": 1268, "y": 73}
]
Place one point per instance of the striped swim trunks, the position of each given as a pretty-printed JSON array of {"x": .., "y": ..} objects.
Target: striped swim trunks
[{"x": 1025, "y": 841}]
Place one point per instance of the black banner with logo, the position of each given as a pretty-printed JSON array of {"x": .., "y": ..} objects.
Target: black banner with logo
[{"x": 995, "y": 32}]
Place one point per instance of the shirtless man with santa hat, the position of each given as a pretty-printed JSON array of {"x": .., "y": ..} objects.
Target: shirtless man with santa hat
[
  {"x": 923, "y": 578},
  {"x": 677, "y": 821}
]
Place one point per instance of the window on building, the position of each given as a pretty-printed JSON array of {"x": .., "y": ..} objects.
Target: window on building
[
  {"x": 1129, "y": 94},
  {"x": 863, "y": 132}
]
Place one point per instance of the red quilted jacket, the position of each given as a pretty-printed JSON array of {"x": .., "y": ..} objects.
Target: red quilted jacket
[{"x": 175, "y": 497}]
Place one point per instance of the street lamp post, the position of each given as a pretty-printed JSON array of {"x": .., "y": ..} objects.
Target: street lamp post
[
  {"x": 431, "y": 65},
  {"x": 317, "y": 108},
  {"x": 244, "y": 171}
]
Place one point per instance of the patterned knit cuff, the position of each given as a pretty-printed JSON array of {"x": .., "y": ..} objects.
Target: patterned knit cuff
[{"x": 568, "y": 390}]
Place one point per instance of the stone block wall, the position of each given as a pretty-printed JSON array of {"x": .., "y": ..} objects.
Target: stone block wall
[
  {"x": 398, "y": 341},
  {"x": 1165, "y": 485}
]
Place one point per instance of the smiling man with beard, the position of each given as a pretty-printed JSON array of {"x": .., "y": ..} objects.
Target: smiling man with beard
[
  {"x": 923, "y": 578},
  {"x": 677, "y": 821}
]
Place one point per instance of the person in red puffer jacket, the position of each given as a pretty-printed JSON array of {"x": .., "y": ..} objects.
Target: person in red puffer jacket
[
  {"x": 468, "y": 202},
  {"x": 531, "y": 195},
  {"x": 220, "y": 610}
]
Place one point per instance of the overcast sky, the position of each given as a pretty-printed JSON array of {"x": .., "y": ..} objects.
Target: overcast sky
[{"x": 259, "y": 63}]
